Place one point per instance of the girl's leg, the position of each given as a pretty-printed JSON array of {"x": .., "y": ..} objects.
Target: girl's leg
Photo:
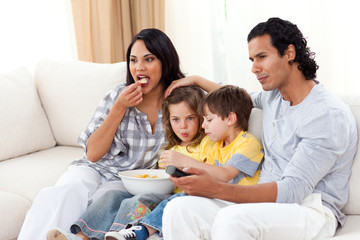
[
  {"x": 100, "y": 215},
  {"x": 134, "y": 209},
  {"x": 62, "y": 204}
]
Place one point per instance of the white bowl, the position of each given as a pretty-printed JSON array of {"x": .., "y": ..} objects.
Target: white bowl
[{"x": 135, "y": 185}]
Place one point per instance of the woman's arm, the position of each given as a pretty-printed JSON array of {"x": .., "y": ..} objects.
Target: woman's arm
[
  {"x": 205, "y": 84},
  {"x": 100, "y": 141}
]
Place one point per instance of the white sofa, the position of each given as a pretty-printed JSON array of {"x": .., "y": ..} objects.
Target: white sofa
[{"x": 42, "y": 116}]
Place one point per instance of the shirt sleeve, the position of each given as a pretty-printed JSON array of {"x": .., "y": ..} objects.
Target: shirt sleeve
[
  {"x": 100, "y": 114},
  {"x": 317, "y": 153}
]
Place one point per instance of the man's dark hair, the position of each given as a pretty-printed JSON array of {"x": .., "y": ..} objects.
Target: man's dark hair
[{"x": 283, "y": 33}]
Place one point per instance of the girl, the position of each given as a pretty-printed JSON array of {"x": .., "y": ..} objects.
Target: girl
[
  {"x": 134, "y": 108},
  {"x": 183, "y": 130}
]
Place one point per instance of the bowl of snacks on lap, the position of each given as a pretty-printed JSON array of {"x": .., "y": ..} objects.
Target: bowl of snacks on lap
[{"x": 142, "y": 181}]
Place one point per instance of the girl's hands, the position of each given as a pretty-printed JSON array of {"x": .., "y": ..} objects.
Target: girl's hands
[
  {"x": 131, "y": 96},
  {"x": 173, "y": 158}
]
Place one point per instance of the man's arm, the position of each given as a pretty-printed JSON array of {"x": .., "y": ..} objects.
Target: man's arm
[{"x": 202, "y": 184}]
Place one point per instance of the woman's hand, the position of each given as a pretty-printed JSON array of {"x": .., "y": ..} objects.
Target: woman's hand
[
  {"x": 205, "y": 84},
  {"x": 131, "y": 96},
  {"x": 190, "y": 80}
]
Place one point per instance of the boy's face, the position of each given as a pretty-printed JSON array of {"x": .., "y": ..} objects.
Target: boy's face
[
  {"x": 215, "y": 127},
  {"x": 184, "y": 122}
]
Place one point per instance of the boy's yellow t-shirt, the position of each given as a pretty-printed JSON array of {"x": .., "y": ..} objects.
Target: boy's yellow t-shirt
[{"x": 245, "y": 153}]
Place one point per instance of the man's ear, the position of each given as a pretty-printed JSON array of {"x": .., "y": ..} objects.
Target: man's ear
[
  {"x": 231, "y": 119},
  {"x": 291, "y": 53}
]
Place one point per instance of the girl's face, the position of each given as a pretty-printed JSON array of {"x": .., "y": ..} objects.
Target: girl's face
[
  {"x": 145, "y": 67},
  {"x": 215, "y": 127},
  {"x": 184, "y": 122}
]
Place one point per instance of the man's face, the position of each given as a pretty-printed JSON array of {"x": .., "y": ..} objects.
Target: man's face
[{"x": 271, "y": 70}]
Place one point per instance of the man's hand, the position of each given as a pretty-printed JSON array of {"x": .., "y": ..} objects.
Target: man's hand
[{"x": 199, "y": 183}]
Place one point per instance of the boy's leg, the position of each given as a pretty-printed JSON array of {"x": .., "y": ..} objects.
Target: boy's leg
[
  {"x": 310, "y": 220},
  {"x": 60, "y": 205},
  {"x": 154, "y": 218},
  {"x": 191, "y": 217}
]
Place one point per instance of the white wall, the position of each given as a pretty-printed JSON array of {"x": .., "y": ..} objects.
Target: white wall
[
  {"x": 33, "y": 30},
  {"x": 214, "y": 45}
]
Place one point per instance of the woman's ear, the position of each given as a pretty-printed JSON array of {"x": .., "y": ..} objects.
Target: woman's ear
[{"x": 231, "y": 119}]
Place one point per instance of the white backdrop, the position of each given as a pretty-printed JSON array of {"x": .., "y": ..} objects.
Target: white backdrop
[
  {"x": 33, "y": 30},
  {"x": 210, "y": 36}
]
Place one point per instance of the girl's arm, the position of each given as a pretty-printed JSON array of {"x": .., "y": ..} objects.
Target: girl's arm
[
  {"x": 100, "y": 141},
  {"x": 223, "y": 174}
]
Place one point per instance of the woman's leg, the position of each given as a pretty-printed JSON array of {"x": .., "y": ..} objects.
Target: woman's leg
[{"x": 60, "y": 205}]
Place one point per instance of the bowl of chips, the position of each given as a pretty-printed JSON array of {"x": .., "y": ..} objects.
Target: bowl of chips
[{"x": 143, "y": 181}]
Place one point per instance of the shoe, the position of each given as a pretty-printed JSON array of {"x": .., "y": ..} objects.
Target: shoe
[
  {"x": 59, "y": 234},
  {"x": 128, "y": 233}
]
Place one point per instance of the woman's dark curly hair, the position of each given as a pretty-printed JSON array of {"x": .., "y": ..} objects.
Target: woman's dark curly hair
[
  {"x": 159, "y": 44},
  {"x": 283, "y": 33}
]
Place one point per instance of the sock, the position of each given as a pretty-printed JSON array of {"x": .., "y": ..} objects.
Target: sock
[{"x": 142, "y": 234}]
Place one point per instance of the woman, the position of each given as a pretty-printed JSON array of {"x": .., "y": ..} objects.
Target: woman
[{"x": 124, "y": 133}]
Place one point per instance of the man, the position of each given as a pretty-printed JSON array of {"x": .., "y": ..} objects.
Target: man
[{"x": 309, "y": 139}]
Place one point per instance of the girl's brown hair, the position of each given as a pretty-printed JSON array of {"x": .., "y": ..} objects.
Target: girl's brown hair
[{"x": 192, "y": 95}]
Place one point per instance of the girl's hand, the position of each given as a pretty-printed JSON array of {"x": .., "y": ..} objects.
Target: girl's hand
[
  {"x": 173, "y": 158},
  {"x": 131, "y": 96}
]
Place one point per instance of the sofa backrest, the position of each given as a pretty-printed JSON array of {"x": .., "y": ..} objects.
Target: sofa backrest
[
  {"x": 353, "y": 205},
  {"x": 70, "y": 91},
  {"x": 24, "y": 127}
]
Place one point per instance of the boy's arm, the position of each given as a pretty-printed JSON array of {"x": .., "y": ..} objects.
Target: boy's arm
[{"x": 223, "y": 174}]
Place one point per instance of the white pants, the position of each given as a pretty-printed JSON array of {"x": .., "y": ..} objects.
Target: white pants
[
  {"x": 62, "y": 204},
  {"x": 202, "y": 218}
]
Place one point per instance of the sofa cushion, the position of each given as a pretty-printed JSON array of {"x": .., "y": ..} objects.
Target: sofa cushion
[
  {"x": 13, "y": 209},
  {"x": 27, "y": 175},
  {"x": 23, "y": 123},
  {"x": 70, "y": 91}
]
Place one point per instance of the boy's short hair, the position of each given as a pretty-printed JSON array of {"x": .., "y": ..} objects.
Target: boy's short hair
[{"x": 229, "y": 99}]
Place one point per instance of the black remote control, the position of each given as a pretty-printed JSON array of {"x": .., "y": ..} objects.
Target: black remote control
[{"x": 175, "y": 172}]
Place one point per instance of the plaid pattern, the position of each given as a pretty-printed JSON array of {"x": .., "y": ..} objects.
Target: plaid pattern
[{"x": 134, "y": 146}]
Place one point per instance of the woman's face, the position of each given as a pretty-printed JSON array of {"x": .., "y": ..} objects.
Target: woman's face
[
  {"x": 184, "y": 122},
  {"x": 145, "y": 67}
]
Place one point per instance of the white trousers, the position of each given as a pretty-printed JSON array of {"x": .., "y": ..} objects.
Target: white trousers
[
  {"x": 202, "y": 218},
  {"x": 61, "y": 205}
]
